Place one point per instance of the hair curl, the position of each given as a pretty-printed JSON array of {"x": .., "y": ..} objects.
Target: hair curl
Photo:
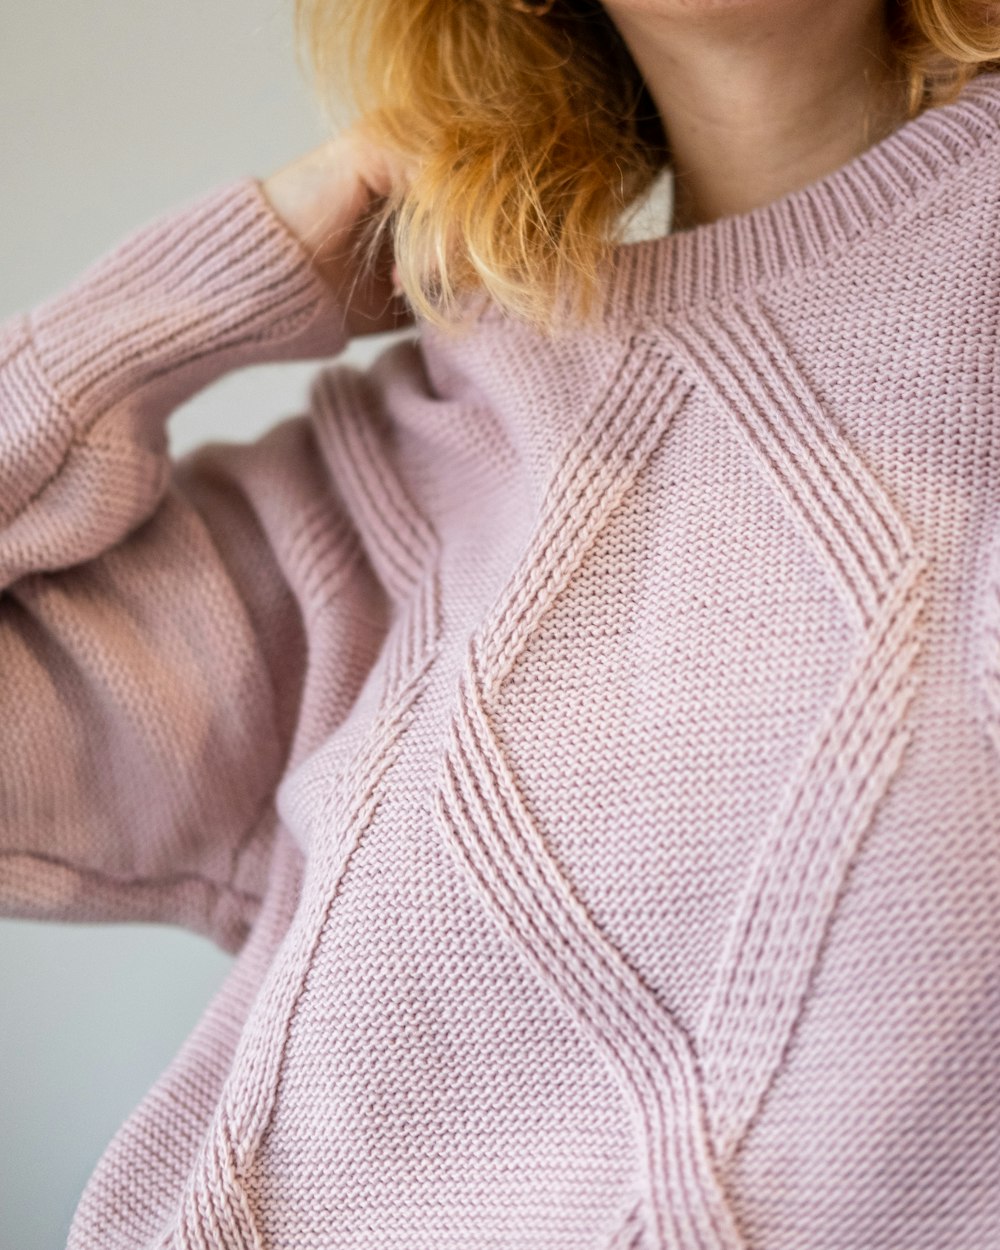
[{"x": 531, "y": 136}]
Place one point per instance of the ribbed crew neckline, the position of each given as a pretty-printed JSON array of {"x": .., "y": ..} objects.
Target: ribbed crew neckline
[{"x": 661, "y": 276}]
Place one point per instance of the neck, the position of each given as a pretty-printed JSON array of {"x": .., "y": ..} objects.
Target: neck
[{"x": 761, "y": 97}]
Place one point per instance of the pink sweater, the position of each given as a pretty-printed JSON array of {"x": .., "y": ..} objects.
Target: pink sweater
[{"x": 590, "y": 751}]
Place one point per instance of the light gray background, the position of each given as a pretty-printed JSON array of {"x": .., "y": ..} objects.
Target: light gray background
[{"x": 113, "y": 112}]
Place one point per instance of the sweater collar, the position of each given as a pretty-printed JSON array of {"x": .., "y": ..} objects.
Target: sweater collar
[{"x": 658, "y": 277}]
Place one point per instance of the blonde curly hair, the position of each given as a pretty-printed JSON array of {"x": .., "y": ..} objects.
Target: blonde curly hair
[{"x": 530, "y": 137}]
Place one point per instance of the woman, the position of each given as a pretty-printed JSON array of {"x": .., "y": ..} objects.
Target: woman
[{"x": 583, "y": 728}]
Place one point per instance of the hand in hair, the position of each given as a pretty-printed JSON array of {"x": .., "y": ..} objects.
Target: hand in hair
[{"x": 329, "y": 199}]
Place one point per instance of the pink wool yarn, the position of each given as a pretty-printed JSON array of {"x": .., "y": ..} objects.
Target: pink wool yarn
[{"x": 590, "y": 751}]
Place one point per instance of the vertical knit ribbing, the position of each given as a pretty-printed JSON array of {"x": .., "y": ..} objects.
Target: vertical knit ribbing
[{"x": 79, "y": 336}]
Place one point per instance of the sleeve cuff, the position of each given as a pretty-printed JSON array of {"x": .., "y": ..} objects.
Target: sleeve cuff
[{"x": 222, "y": 282}]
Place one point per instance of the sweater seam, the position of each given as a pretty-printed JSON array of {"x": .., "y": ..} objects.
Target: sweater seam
[
  {"x": 80, "y": 432},
  {"x": 54, "y": 861},
  {"x": 29, "y": 350}
]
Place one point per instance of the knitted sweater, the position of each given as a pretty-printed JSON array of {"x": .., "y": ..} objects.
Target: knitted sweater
[{"x": 590, "y": 751}]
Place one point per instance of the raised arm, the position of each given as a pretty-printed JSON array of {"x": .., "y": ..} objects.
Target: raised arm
[{"x": 152, "y": 639}]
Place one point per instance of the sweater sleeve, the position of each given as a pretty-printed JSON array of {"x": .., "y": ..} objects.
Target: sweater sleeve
[{"x": 152, "y": 646}]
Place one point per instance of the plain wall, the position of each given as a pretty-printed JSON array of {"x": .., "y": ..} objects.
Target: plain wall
[{"x": 113, "y": 112}]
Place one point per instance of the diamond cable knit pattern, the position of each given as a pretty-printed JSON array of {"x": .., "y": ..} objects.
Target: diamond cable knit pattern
[
  {"x": 775, "y": 936},
  {"x": 590, "y": 752}
]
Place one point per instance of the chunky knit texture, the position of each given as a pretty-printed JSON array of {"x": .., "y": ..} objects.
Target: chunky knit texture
[{"x": 590, "y": 751}]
